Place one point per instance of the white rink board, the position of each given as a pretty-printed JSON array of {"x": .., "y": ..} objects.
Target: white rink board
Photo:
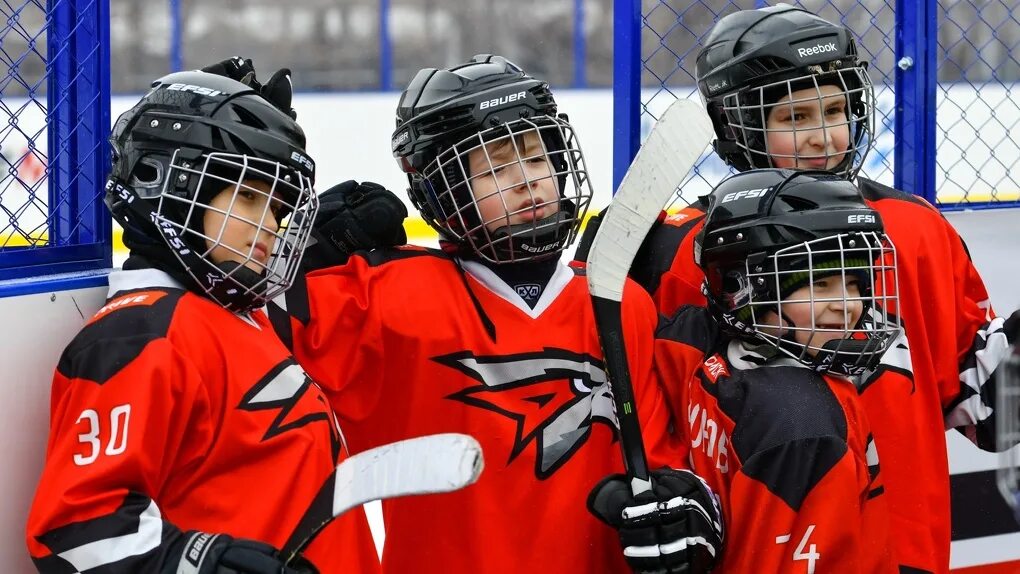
[{"x": 36, "y": 328}]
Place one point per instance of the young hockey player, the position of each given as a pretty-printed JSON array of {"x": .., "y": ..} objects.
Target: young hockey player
[
  {"x": 786, "y": 88},
  {"x": 762, "y": 378},
  {"x": 490, "y": 336},
  {"x": 183, "y": 436}
]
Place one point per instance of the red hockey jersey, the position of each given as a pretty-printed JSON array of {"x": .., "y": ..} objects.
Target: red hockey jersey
[
  {"x": 788, "y": 451},
  {"x": 915, "y": 395},
  {"x": 408, "y": 344},
  {"x": 169, "y": 414}
]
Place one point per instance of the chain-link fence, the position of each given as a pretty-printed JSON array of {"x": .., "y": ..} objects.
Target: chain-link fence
[
  {"x": 958, "y": 152},
  {"x": 54, "y": 120}
]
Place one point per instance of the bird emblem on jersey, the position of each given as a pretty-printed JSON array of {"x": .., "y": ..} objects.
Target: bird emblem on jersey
[
  {"x": 289, "y": 389},
  {"x": 553, "y": 395}
]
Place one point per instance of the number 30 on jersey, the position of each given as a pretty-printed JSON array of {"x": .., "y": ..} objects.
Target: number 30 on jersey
[{"x": 113, "y": 427}]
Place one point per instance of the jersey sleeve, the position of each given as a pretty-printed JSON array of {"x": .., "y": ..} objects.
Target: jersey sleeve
[
  {"x": 328, "y": 322},
  {"x": 972, "y": 411},
  {"x": 665, "y": 264},
  {"x": 981, "y": 346},
  {"x": 116, "y": 434},
  {"x": 682, "y": 343},
  {"x": 662, "y": 444}
]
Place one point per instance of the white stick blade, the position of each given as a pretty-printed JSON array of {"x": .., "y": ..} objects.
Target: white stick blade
[
  {"x": 671, "y": 150},
  {"x": 423, "y": 465}
]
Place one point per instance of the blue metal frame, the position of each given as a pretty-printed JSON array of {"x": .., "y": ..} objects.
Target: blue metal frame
[
  {"x": 176, "y": 55},
  {"x": 627, "y": 70},
  {"x": 385, "y": 48},
  {"x": 78, "y": 108},
  {"x": 916, "y": 83},
  {"x": 580, "y": 47}
]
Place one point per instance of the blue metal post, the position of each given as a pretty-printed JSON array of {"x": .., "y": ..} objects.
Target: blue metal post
[
  {"x": 176, "y": 57},
  {"x": 916, "y": 82},
  {"x": 78, "y": 157},
  {"x": 580, "y": 47},
  {"x": 385, "y": 47},
  {"x": 627, "y": 70}
]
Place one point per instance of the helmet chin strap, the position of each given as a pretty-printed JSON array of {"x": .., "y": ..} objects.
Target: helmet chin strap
[{"x": 538, "y": 239}]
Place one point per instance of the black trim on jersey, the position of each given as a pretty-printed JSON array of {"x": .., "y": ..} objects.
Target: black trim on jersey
[
  {"x": 102, "y": 348},
  {"x": 382, "y": 256},
  {"x": 690, "y": 325},
  {"x": 790, "y": 429},
  {"x": 280, "y": 320},
  {"x": 977, "y": 508},
  {"x": 123, "y": 521},
  {"x": 909, "y": 570},
  {"x": 874, "y": 191},
  {"x": 659, "y": 250},
  {"x": 984, "y": 430}
]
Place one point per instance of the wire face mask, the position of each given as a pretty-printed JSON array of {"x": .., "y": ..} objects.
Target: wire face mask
[
  {"x": 241, "y": 237},
  {"x": 515, "y": 192},
  {"x": 824, "y": 120},
  {"x": 828, "y": 303}
]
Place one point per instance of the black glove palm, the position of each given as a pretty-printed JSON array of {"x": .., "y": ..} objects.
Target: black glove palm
[
  {"x": 354, "y": 217},
  {"x": 676, "y": 527},
  {"x": 278, "y": 90}
]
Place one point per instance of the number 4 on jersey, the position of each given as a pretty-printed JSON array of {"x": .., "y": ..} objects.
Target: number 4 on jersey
[{"x": 811, "y": 555}]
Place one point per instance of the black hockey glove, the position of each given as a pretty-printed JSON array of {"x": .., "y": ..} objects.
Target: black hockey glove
[
  {"x": 205, "y": 553},
  {"x": 278, "y": 90},
  {"x": 354, "y": 217},
  {"x": 676, "y": 527}
]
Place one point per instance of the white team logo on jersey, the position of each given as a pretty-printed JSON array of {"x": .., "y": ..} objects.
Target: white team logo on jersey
[
  {"x": 553, "y": 395},
  {"x": 284, "y": 388}
]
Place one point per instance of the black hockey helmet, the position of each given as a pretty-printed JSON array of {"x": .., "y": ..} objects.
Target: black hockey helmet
[
  {"x": 769, "y": 233},
  {"x": 192, "y": 136},
  {"x": 753, "y": 58},
  {"x": 445, "y": 115}
]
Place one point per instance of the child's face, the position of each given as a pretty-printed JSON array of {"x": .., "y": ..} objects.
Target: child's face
[
  {"x": 242, "y": 226},
  {"x": 512, "y": 181},
  {"x": 835, "y": 309},
  {"x": 805, "y": 131}
]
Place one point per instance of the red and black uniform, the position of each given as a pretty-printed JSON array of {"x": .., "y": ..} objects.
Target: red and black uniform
[
  {"x": 788, "y": 451},
  {"x": 171, "y": 414},
  {"x": 915, "y": 395},
  {"x": 411, "y": 342}
]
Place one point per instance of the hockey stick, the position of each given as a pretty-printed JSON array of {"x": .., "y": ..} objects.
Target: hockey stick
[
  {"x": 424, "y": 465},
  {"x": 670, "y": 151}
]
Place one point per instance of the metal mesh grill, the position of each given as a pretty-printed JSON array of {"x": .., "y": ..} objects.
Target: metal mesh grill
[{"x": 54, "y": 120}]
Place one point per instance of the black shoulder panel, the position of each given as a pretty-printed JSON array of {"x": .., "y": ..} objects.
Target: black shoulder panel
[
  {"x": 790, "y": 428},
  {"x": 111, "y": 341},
  {"x": 378, "y": 257},
  {"x": 656, "y": 255},
  {"x": 874, "y": 191},
  {"x": 690, "y": 325}
]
